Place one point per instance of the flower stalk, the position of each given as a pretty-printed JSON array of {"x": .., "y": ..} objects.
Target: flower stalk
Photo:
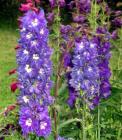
[{"x": 57, "y": 73}]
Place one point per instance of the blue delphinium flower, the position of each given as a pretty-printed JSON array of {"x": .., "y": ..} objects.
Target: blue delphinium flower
[
  {"x": 104, "y": 57},
  {"x": 52, "y": 3},
  {"x": 90, "y": 71},
  {"x": 34, "y": 72},
  {"x": 72, "y": 93},
  {"x": 35, "y": 118},
  {"x": 85, "y": 6},
  {"x": 85, "y": 71}
]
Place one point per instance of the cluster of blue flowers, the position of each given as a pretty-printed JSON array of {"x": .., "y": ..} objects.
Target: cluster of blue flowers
[
  {"x": 88, "y": 64},
  {"x": 104, "y": 57},
  {"x": 90, "y": 72},
  {"x": 34, "y": 72},
  {"x": 85, "y": 71}
]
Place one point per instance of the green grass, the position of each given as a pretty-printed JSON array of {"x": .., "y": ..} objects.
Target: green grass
[{"x": 8, "y": 40}]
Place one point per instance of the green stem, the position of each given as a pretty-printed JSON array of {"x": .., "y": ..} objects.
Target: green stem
[
  {"x": 58, "y": 67},
  {"x": 119, "y": 58},
  {"x": 84, "y": 120},
  {"x": 95, "y": 25},
  {"x": 98, "y": 122}
]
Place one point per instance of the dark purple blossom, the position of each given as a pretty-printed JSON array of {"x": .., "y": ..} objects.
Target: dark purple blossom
[
  {"x": 61, "y": 3},
  {"x": 52, "y": 3},
  {"x": 79, "y": 19},
  {"x": 104, "y": 57},
  {"x": 71, "y": 4},
  {"x": 50, "y": 17},
  {"x": 85, "y": 6},
  {"x": 114, "y": 34},
  {"x": 72, "y": 93},
  {"x": 72, "y": 96},
  {"x": 117, "y": 22},
  {"x": 65, "y": 29}
]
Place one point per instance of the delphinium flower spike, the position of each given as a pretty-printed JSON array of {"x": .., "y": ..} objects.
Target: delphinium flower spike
[
  {"x": 85, "y": 72},
  {"x": 104, "y": 57},
  {"x": 34, "y": 73}
]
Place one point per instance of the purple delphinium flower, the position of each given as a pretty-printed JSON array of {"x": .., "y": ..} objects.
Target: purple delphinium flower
[
  {"x": 34, "y": 72},
  {"x": 85, "y": 72},
  {"x": 71, "y": 4},
  {"x": 26, "y": 120},
  {"x": 50, "y": 17},
  {"x": 44, "y": 127},
  {"x": 61, "y": 3},
  {"x": 72, "y": 96},
  {"x": 52, "y": 3},
  {"x": 66, "y": 32},
  {"x": 79, "y": 19},
  {"x": 90, "y": 70},
  {"x": 35, "y": 118},
  {"x": 72, "y": 93},
  {"x": 104, "y": 57},
  {"x": 104, "y": 70},
  {"x": 117, "y": 22},
  {"x": 114, "y": 35},
  {"x": 85, "y": 6}
]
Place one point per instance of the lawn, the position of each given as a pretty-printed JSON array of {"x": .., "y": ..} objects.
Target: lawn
[{"x": 8, "y": 40}]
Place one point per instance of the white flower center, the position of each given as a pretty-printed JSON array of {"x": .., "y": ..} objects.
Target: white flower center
[
  {"x": 41, "y": 71},
  {"x": 34, "y": 43},
  {"x": 90, "y": 69},
  {"x": 92, "y": 45},
  {"x": 35, "y": 56},
  {"x": 78, "y": 57},
  {"x": 35, "y": 22},
  {"x": 86, "y": 82},
  {"x": 23, "y": 29},
  {"x": 29, "y": 35},
  {"x": 25, "y": 52},
  {"x": 28, "y": 69},
  {"x": 43, "y": 125},
  {"x": 79, "y": 71},
  {"x": 78, "y": 86},
  {"x": 26, "y": 100},
  {"x": 92, "y": 89},
  {"x": 86, "y": 53},
  {"x": 28, "y": 122},
  {"x": 42, "y": 31},
  {"x": 81, "y": 46}
]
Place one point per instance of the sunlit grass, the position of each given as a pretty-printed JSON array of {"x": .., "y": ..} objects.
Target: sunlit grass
[{"x": 8, "y": 40}]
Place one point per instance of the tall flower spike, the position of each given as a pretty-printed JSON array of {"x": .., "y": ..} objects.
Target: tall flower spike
[
  {"x": 85, "y": 72},
  {"x": 90, "y": 70},
  {"x": 34, "y": 73},
  {"x": 104, "y": 57}
]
